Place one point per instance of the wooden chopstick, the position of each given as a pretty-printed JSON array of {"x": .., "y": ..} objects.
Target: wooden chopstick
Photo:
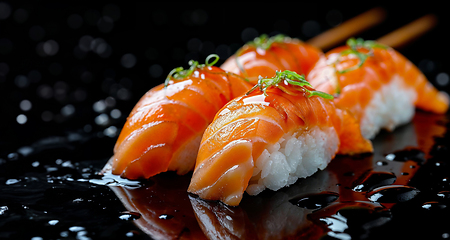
[
  {"x": 409, "y": 32},
  {"x": 349, "y": 28}
]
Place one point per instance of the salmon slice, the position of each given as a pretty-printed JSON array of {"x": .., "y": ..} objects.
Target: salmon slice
[
  {"x": 265, "y": 133},
  {"x": 377, "y": 84},
  {"x": 164, "y": 129},
  {"x": 263, "y": 56}
]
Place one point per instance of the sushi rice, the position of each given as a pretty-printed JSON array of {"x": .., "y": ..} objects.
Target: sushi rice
[
  {"x": 391, "y": 106},
  {"x": 283, "y": 163}
]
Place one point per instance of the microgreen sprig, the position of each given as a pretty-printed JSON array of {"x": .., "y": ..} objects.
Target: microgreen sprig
[
  {"x": 265, "y": 42},
  {"x": 356, "y": 44},
  {"x": 261, "y": 42},
  {"x": 181, "y": 73},
  {"x": 287, "y": 77}
]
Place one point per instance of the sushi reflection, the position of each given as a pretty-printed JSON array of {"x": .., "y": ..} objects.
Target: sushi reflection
[
  {"x": 270, "y": 215},
  {"x": 162, "y": 207}
]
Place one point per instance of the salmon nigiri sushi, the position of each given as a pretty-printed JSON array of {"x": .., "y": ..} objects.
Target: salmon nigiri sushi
[
  {"x": 377, "y": 84},
  {"x": 163, "y": 131},
  {"x": 280, "y": 131},
  {"x": 265, "y": 55}
]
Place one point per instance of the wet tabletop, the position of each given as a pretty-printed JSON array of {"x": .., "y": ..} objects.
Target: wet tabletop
[{"x": 70, "y": 75}]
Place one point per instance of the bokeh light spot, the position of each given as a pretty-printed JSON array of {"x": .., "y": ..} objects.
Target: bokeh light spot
[
  {"x": 128, "y": 60},
  {"x": 21, "y": 81},
  {"x": 5, "y": 10},
  {"x": 310, "y": 28},
  {"x": 25, "y": 105},
  {"x": 442, "y": 79},
  {"x": 21, "y": 119},
  {"x": 156, "y": 70},
  {"x": 334, "y": 17},
  {"x": 248, "y": 34}
]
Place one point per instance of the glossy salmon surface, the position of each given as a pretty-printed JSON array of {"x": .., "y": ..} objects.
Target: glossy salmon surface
[
  {"x": 364, "y": 75},
  {"x": 163, "y": 131},
  {"x": 247, "y": 125},
  {"x": 264, "y": 56}
]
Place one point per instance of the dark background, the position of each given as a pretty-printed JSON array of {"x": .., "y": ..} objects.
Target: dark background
[
  {"x": 64, "y": 58},
  {"x": 71, "y": 73}
]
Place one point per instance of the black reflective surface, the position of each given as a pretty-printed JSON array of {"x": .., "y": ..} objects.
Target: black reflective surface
[{"x": 70, "y": 75}]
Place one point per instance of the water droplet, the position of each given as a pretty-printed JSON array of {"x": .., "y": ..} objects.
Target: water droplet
[
  {"x": 433, "y": 206},
  {"x": 382, "y": 163},
  {"x": 166, "y": 216},
  {"x": 76, "y": 228},
  {"x": 315, "y": 201},
  {"x": 371, "y": 180},
  {"x": 25, "y": 150},
  {"x": 53, "y": 222},
  {"x": 413, "y": 154},
  {"x": 445, "y": 195},
  {"x": 132, "y": 233},
  {"x": 12, "y": 181},
  {"x": 393, "y": 194},
  {"x": 439, "y": 163},
  {"x": 13, "y": 156},
  {"x": 129, "y": 216},
  {"x": 390, "y": 156},
  {"x": 3, "y": 209}
]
